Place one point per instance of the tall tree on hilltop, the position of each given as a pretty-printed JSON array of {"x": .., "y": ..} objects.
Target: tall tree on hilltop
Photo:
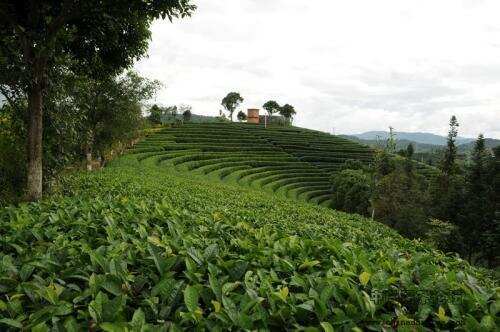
[
  {"x": 185, "y": 110},
  {"x": 408, "y": 164},
  {"x": 288, "y": 111},
  {"x": 231, "y": 103},
  {"x": 446, "y": 190},
  {"x": 479, "y": 216},
  {"x": 271, "y": 107},
  {"x": 155, "y": 113},
  {"x": 101, "y": 37},
  {"x": 391, "y": 141},
  {"x": 491, "y": 237},
  {"x": 448, "y": 164}
]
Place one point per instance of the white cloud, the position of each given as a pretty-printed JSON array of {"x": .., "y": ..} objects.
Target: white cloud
[{"x": 354, "y": 65}]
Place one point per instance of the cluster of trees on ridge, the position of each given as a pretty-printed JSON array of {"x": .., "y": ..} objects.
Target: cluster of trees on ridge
[
  {"x": 458, "y": 209},
  {"x": 233, "y": 100},
  {"x": 63, "y": 74},
  {"x": 170, "y": 114}
]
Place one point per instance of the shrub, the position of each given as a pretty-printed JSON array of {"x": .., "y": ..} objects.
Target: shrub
[{"x": 351, "y": 191}]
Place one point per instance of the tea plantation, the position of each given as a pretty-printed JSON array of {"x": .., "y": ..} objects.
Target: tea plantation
[
  {"x": 292, "y": 161},
  {"x": 149, "y": 244}
]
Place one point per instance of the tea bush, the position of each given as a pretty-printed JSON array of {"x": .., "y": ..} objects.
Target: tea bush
[{"x": 142, "y": 247}]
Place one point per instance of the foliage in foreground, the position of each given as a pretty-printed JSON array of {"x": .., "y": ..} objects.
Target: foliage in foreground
[{"x": 137, "y": 247}]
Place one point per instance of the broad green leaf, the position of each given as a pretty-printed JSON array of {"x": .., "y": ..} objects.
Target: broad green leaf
[
  {"x": 283, "y": 293},
  {"x": 70, "y": 325},
  {"x": 42, "y": 327},
  {"x": 217, "y": 306},
  {"x": 138, "y": 320},
  {"x": 327, "y": 327},
  {"x": 364, "y": 278},
  {"x": 441, "y": 314},
  {"x": 155, "y": 240},
  {"x": 488, "y": 323},
  {"x": 308, "y": 264},
  {"x": 230, "y": 309},
  {"x": 191, "y": 298},
  {"x": 114, "y": 327},
  {"x": 11, "y": 322}
]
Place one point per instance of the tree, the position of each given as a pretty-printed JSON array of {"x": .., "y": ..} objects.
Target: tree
[
  {"x": 446, "y": 189},
  {"x": 271, "y": 107},
  {"x": 288, "y": 111},
  {"x": 241, "y": 116},
  {"x": 155, "y": 114},
  {"x": 400, "y": 203},
  {"x": 479, "y": 216},
  {"x": 491, "y": 237},
  {"x": 100, "y": 37},
  {"x": 231, "y": 103},
  {"x": 173, "y": 112},
  {"x": 186, "y": 112},
  {"x": 111, "y": 109},
  {"x": 391, "y": 141},
  {"x": 352, "y": 191},
  {"x": 448, "y": 164},
  {"x": 409, "y": 161}
]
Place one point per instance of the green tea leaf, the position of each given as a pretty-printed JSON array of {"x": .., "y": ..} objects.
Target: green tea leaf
[
  {"x": 364, "y": 278},
  {"x": 327, "y": 327},
  {"x": 191, "y": 298},
  {"x": 11, "y": 322}
]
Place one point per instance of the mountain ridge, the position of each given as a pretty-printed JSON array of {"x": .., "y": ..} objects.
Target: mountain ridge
[{"x": 418, "y": 137}]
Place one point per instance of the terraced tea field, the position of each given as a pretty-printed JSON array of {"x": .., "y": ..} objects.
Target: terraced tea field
[{"x": 292, "y": 161}]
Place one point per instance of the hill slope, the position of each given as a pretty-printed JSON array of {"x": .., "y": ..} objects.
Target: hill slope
[
  {"x": 292, "y": 161},
  {"x": 142, "y": 245},
  {"x": 424, "y": 138}
]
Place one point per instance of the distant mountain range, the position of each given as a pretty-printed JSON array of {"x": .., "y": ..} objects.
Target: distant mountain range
[
  {"x": 423, "y": 142},
  {"x": 424, "y": 138}
]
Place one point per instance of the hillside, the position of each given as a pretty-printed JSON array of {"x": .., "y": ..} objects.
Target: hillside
[
  {"x": 490, "y": 143},
  {"x": 292, "y": 161},
  {"x": 401, "y": 144},
  {"x": 438, "y": 149},
  {"x": 144, "y": 244},
  {"x": 423, "y": 138}
]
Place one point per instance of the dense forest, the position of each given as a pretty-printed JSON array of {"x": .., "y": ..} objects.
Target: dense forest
[{"x": 457, "y": 208}]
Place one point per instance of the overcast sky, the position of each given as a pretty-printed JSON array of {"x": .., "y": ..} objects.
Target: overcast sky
[{"x": 354, "y": 65}]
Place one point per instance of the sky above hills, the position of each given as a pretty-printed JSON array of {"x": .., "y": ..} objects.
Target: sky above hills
[{"x": 351, "y": 66}]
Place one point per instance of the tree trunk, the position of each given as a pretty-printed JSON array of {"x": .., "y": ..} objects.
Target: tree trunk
[
  {"x": 34, "y": 148},
  {"x": 88, "y": 157}
]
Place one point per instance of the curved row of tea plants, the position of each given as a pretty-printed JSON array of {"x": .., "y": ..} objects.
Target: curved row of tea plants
[
  {"x": 141, "y": 247},
  {"x": 292, "y": 161},
  {"x": 235, "y": 153}
]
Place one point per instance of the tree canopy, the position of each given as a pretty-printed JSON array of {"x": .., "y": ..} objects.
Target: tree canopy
[
  {"x": 271, "y": 107},
  {"x": 231, "y": 103},
  {"x": 241, "y": 116},
  {"x": 98, "y": 38},
  {"x": 287, "y": 111}
]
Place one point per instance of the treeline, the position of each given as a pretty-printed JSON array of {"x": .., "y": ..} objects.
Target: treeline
[
  {"x": 64, "y": 80},
  {"x": 457, "y": 209},
  {"x": 233, "y": 100},
  {"x": 84, "y": 120}
]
